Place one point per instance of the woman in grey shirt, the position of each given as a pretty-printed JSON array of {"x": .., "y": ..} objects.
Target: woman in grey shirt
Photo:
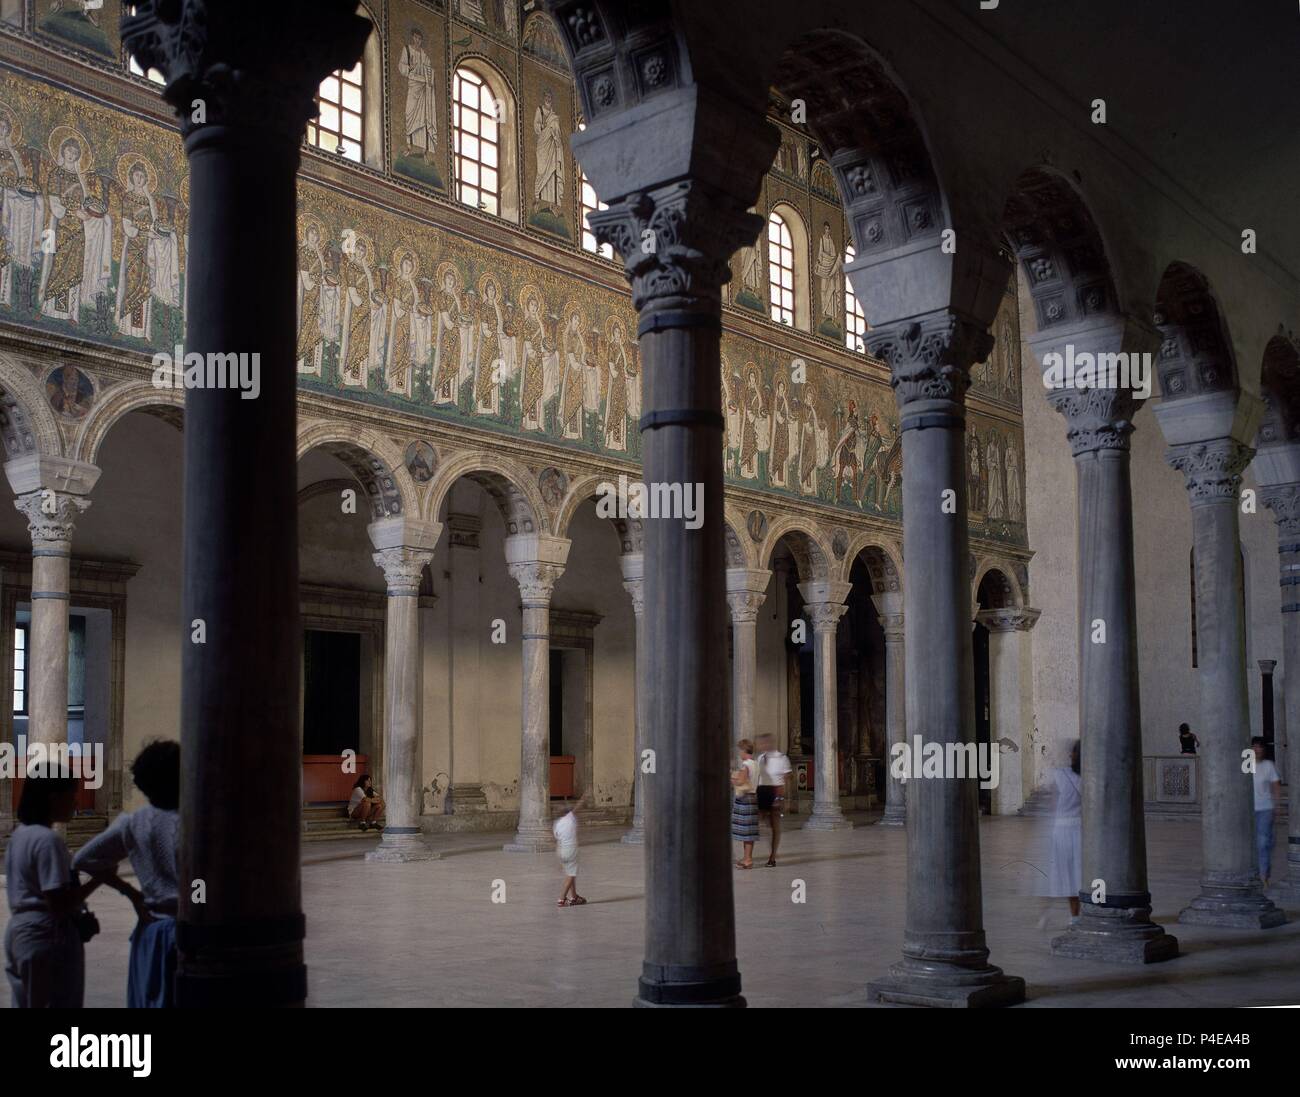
[{"x": 148, "y": 837}]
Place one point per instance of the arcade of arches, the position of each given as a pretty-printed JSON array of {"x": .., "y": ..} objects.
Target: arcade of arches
[{"x": 401, "y": 546}]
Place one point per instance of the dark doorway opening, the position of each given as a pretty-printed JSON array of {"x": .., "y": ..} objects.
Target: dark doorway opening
[{"x": 331, "y": 692}]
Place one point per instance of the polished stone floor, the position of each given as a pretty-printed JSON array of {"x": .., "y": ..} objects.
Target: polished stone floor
[{"x": 429, "y": 934}]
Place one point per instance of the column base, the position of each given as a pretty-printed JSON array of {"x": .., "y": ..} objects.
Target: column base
[
  {"x": 531, "y": 838},
  {"x": 635, "y": 836},
  {"x": 909, "y": 984},
  {"x": 671, "y": 987},
  {"x": 824, "y": 818},
  {"x": 398, "y": 848},
  {"x": 1243, "y": 906},
  {"x": 895, "y": 816},
  {"x": 1116, "y": 935}
]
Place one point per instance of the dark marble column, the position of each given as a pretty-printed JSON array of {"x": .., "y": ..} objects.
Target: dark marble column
[
  {"x": 945, "y": 958},
  {"x": 890, "y": 605},
  {"x": 676, "y": 240},
  {"x": 242, "y": 76},
  {"x": 1284, "y": 501},
  {"x": 1232, "y": 894}
]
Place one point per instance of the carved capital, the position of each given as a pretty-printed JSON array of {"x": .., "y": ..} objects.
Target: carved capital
[
  {"x": 1009, "y": 618},
  {"x": 892, "y": 623},
  {"x": 251, "y": 64},
  {"x": 536, "y": 580},
  {"x": 825, "y": 616},
  {"x": 51, "y": 516},
  {"x": 1212, "y": 469},
  {"x": 745, "y": 605},
  {"x": 636, "y": 591},
  {"x": 402, "y": 567},
  {"x": 929, "y": 360},
  {"x": 1098, "y": 418},
  {"x": 1284, "y": 501},
  {"x": 676, "y": 242}
]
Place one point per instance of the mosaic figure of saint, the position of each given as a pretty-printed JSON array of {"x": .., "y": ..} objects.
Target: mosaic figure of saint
[
  {"x": 616, "y": 399},
  {"x": 1014, "y": 501},
  {"x": 79, "y": 262},
  {"x": 21, "y": 208},
  {"x": 573, "y": 354},
  {"x": 149, "y": 266},
  {"x": 494, "y": 356},
  {"x": 784, "y": 435},
  {"x": 997, "y": 504},
  {"x": 827, "y": 270},
  {"x": 364, "y": 315},
  {"x": 755, "y": 426},
  {"x": 318, "y": 300},
  {"x": 449, "y": 351},
  {"x": 548, "y": 186},
  {"x": 537, "y": 350},
  {"x": 421, "y": 112},
  {"x": 409, "y": 329}
]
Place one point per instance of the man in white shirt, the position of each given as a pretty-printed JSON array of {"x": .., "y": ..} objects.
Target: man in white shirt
[
  {"x": 773, "y": 772},
  {"x": 1268, "y": 802}
]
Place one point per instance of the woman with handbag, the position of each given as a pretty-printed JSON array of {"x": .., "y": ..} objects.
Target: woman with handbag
[
  {"x": 744, "y": 812},
  {"x": 49, "y": 923}
]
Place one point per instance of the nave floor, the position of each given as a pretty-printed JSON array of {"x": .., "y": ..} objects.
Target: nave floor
[{"x": 428, "y": 934}]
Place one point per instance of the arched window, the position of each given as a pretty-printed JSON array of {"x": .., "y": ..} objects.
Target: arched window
[
  {"x": 855, "y": 321},
  {"x": 483, "y": 163},
  {"x": 350, "y": 120},
  {"x": 590, "y": 203},
  {"x": 153, "y": 75},
  {"x": 780, "y": 269}
]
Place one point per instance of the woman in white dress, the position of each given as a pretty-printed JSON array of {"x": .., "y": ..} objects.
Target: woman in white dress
[{"x": 1065, "y": 872}]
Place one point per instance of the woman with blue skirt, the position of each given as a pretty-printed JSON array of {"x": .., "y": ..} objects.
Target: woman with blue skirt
[{"x": 744, "y": 812}]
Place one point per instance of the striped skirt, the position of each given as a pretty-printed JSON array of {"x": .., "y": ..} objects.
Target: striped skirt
[{"x": 744, "y": 818}]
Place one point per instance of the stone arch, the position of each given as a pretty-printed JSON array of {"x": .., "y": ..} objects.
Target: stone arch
[
  {"x": 1280, "y": 387},
  {"x": 631, "y": 531},
  {"x": 738, "y": 546},
  {"x": 881, "y": 558},
  {"x": 167, "y": 404},
  {"x": 1051, "y": 231},
  {"x": 812, "y": 555},
  {"x": 374, "y": 460},
  {"x": 1196, "y": 354},
  {"x": 512, "y": 487},
  {"x": 995, "y": 586},
  {"x": 27, "y": 423}
]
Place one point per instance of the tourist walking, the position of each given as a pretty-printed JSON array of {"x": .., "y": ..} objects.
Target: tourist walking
[
  {"x": 773, "y": 772},
  {"x": 1065, "y": 868},
  {"x": 744, "y": 809},
  {"x": 1268, "y": 805},
  {"x": 566, "y": 849}
]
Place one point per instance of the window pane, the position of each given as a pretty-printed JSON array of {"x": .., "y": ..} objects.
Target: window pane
[
  {"x": 489, "y": 154},
  {"x": 469, "y": 170},
  {"x": 329, "y": 89},
  {"x": 468, "y": 195},
  {"x": 352, "y": 97},
  {"x": 490, "y": 203},
  {"x": 469, "y": 94},
  {"x": 352, "y": 126},
  {"x": 469, "y": 146},
  {"x": 329, "y": 117},
  {"x": 354, "y": 73},
  {"x": 351, "y": 150},
  {"x": 18, "y": 701},
  {"x": 489, "y": 128}
]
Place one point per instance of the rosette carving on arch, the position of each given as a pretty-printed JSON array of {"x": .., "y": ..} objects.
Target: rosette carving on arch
[{"x": 676, "y": 241}]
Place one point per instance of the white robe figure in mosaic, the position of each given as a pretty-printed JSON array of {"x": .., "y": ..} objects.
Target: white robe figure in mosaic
[
  {"x": 617, "y": 400},
  {"x": 997, "y": 504},
  {"x": 21, "y": 208},
  {"x": 78, "y": 238},
  {"x": 1014, "y": 503},
  {"x": 421, "y": 114},
  {"x": 828, "y": 276},
  {"x": 755, "y": 427},
  {"x": 149, "y": 266},
  {"x": 733, "y": 419},
  {"x": 785, "y": 436},
  {"x": 317, "y": 303},
  {"x": 548, "y": 185},
  {"x": 408, "y": 341},
  {"x": 451, "y": 331},
  {"x": 492, "y": 355},
  {"x": 814, "y": 445},
  {"x": 364, "y": 313},
  {"x": 573, "y": 348},
  {"x": 536, "y": 349}
]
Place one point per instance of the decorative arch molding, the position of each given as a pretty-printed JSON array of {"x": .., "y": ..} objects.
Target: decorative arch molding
[
  {"x": 738, "y": 545},
  {"x": 27, "y": 423},
  {"x": 631, "y": 531},
  {"x": 881, "y": 558},
  {"x": 510, "y": 484},
  {"x": 118, "y": 401},
  {"x": 1196, "y": 354},
  {"x": 373, "y": 460},
  {"x": 1280, "y": 387},
  {"x": 1003, "y": 589},
  {"x": 1053, "y": 235},
  {"x": 810, "y": 549}
]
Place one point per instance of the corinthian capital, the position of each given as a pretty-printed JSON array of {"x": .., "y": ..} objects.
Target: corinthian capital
[
  {"x": 1284, "y": 501},
  {"x": 1212, "y": 469},
  {"x": 676, "y": 241},
  {"x": 745, "y": 605},
  {"x": 1097, "y": 418},
  {"x": 536, "y": 580},
  {"x": 402, "y": 567},
  {"x": 250, "y": 63},
  {"x": 929, "y": 360},
  {"x": 51, "y": 516}
]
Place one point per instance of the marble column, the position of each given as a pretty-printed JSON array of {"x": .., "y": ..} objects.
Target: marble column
[
  {"x": 632, "y": 565},
  {"x": 243, "y": 99},
  {"x": 675, "y": 218},
  {"x": 1284, "y": 501},
  {"x": 945, "y": 956},
  {"x": 51, "y": 518},
  {"x": 746, "y": 591},
  {"x": 823, "y": 605},
  {"x": 1008, "y": 718},
  {"x": 403, "y": 548},
  {"x": 536, "y": 561},
  {"x": 890, "y": 608},
  {"x": 1232, "y": 894},
  {"x": 1098, "y": 425}
]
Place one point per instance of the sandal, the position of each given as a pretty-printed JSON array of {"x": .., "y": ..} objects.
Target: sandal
[
  {"x": 562, "y": 903},
  {"x": 771, "y": 862},
  {"x": 741, "y": 864},
  {"x": 577, "y": 901}
]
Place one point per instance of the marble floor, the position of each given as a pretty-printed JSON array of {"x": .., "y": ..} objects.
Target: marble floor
[{"x": 429, "y": 934}]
